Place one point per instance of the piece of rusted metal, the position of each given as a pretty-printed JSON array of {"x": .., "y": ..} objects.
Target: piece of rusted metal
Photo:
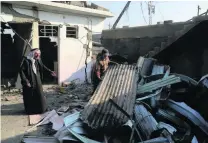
[{"x": 118, "y": 84}]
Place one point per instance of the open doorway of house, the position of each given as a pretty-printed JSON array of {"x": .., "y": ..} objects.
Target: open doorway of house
[{"x": 49, "y": 56}]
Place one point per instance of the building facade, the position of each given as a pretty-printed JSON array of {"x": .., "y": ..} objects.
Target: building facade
[{"x": 62, "y": 31}]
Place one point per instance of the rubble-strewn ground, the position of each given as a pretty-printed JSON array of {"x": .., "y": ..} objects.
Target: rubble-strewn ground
[{"x": 14, "y": 122}]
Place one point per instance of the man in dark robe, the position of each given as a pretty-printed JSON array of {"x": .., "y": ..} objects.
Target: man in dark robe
[
  {"x": 31, "y": 75},
  {"x": 100, "y": 67}
]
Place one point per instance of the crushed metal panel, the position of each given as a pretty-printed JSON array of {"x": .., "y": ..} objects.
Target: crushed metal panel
[
  {"x": 157, "y": 140},
  {"x": 190, "y": 113},
  {"x": 145, "y": 121},
  {"x": 119, "y": 84},
  {"x": 170, "y": 128},
  {"x": 149, "y": 87},
  {"x": 72, "y": 118},
  {"x": 82, "y": 138},
  {"x": 157, "y": 69}
]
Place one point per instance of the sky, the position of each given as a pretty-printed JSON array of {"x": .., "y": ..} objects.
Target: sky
[{"x": 172, "y": 10}]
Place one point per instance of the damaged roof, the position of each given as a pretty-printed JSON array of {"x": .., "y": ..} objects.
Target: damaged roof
[
  {"x": 17, "y": 17},
  {"x": 62, "y": 8}
]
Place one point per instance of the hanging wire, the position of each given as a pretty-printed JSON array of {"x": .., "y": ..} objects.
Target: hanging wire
[{"x": 142, "y": 12}]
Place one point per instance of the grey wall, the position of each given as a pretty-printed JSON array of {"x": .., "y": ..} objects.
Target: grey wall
[
  {"x": 137, "y": 41},
  {"x": 160, "y": 30},
  {"x": 128, "y": 48},
  {"x": 188, "y": 55}
]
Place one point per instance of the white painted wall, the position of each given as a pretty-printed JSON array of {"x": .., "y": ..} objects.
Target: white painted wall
[
  {"x": 80, "y": 20},
  {"x": 72, "y": 56}
]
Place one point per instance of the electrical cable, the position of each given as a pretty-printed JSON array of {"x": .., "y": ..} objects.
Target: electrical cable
[{"x": 143, "y": 12}]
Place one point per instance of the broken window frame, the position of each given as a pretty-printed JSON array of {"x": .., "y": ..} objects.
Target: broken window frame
[
  {"x": 73, "y": 29},
  {"x": 50, "y": 32}
]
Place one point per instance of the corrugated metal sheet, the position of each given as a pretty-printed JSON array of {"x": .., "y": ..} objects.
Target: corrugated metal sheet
[
  {"x": 119, "y": 85},
  {"x": 149, "y": 87},
  {"x": 145, "y": 121}
]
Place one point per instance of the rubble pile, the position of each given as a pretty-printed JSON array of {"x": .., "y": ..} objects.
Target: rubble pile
[{"x": 164, "y": 107}]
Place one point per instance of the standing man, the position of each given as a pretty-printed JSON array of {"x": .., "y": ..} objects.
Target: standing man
[
  {"x": 31, "y": 74},
  {"x": 100, "y": 67}
]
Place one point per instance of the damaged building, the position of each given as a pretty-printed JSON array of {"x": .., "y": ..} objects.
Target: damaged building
[
  {"x": 182, "y": 45},
  {"x": 61, "y": 30}
]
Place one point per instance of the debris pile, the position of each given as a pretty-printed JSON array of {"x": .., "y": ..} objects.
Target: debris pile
[{"x": 143, "y": 103}]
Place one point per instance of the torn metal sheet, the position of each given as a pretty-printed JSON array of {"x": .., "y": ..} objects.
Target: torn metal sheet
[
  {"x": 82, "y": 138},
  {"x": 204, "y": 81},
  {"x": 35, "y": 139},
  {"x": 190, "y": 113},
  {"x": 147, "y": 66},
  {"x": 145, "y": 121},
  {"x": 68, "y": 138},
  {"x": 57, "y": 121},
  {"x": 140, "y": 63},
  {"x": 46, "y": 120},
  {"x": 78, "y": 128},
  {"x": 149, "y": 87},
  {"x": 170, "y": 128},
  {"x": 194, "y": 140},
  {"x": 63, "y": 109},
  {"x": 149, "y": 96},
  {"x": 186, "y": 78},
  {"x": 129, "y": 124},
  {"x": 129, "y": 117},
  {"x": 157, "y": 69},
  {"x": 118, "y": 84},
  {"x": 70, "y": 119},
  {"x": 174, "y": 119},
  {"x": 157, "y": 140},
  {"x": 34, "y": 119}
]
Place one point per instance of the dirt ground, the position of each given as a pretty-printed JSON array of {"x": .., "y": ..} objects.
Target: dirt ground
[{"x": 15, "y": 123}]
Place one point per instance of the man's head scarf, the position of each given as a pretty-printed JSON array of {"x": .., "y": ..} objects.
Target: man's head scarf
[{"x": 31, "y": 58}]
